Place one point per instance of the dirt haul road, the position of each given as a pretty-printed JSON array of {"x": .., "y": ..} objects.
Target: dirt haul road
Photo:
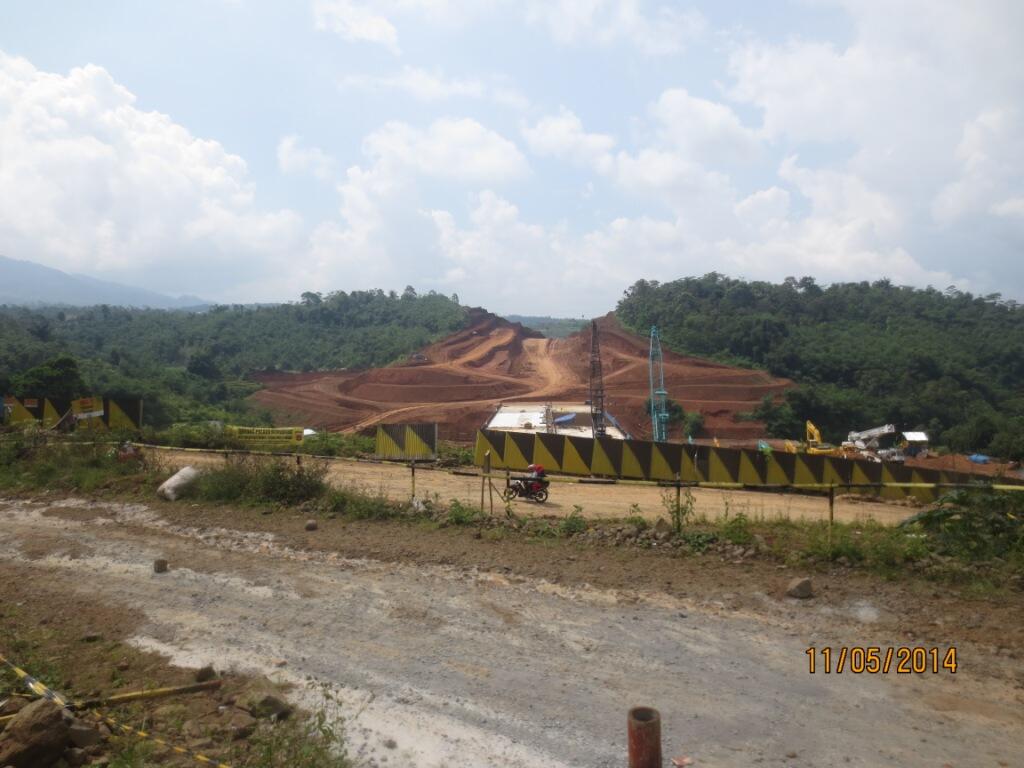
[
  {"x": 597, "y": 501},
  {"x": 444, "y": 666}
]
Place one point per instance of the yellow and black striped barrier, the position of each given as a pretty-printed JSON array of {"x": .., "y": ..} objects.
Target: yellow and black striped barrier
[
  {"x": 406, "y": 442},
  {"x": 40, "y": 689},
  {"x": 710, "y": 466}
]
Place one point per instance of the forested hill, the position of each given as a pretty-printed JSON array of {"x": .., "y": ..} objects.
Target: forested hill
[
  {"x": 192, "y": 364},
  {"x": 863, "y": 354}
]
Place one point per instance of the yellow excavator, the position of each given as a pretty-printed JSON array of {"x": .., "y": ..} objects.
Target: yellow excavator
[{"x": 813, "y": 444}]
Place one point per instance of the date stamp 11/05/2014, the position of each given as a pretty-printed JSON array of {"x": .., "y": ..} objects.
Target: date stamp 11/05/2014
[{"x": 876, "y": 660}]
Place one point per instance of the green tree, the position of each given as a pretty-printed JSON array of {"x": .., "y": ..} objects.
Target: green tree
[{"x": 58, "y": 378}]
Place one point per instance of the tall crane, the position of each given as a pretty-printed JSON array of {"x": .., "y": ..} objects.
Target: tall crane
[
  {"x": 596, "y": 383},
  {"x": 659, "y": 397}
]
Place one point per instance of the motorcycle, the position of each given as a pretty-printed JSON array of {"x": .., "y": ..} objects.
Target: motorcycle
[{"x": 533, "y": 489}]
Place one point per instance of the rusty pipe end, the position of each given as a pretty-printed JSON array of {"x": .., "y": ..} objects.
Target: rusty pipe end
[{"x": 644, "y": 729}]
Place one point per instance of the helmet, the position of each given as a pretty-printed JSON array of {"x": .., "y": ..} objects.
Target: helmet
[{"x": 536, "y": 468}]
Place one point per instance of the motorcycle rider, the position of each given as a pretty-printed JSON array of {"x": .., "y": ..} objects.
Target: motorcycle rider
[{"x": 536, "y": 479}]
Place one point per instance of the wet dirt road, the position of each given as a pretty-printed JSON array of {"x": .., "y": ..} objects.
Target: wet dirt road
[{"x": 441, "y": 666}]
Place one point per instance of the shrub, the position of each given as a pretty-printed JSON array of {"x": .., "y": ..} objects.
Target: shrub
[
  {"x": 463, "y": 514},
  {"x": 359, "y": 506},
  {"x": 289, "y": 483},
  {"x": 574, "y": 523},
  {"x": 736, "y": 529},
  {"x": 698, "y": 541},
  {"x": 278, "y": 481},
  {"x": 975, "y": 524}
]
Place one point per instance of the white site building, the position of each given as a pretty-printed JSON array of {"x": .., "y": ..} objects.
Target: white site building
[{"x": 555, "y": 418}]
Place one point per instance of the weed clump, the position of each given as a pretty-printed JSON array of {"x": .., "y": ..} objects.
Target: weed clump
[
  {"x": 736, "y": 529},
  {"x": 463, "y": 514},
  {"x": 574, "y": 523},
  {"x": 976, "y": 525},
  {"x": 358, "y": 506},
  {"x": 277, "y": 481}
]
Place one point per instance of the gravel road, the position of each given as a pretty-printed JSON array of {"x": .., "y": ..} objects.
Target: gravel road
[
  {"x": 441, "y": 666},
  {"x": 597, "y": 501}
]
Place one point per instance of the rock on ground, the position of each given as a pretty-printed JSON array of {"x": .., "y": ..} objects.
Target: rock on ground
[
  {"x": 173, "y": 487},
  {"x": 36, "y": 737},
  {"x": 801, "y": 588}
]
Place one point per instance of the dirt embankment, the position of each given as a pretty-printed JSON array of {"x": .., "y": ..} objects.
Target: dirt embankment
[
  {"x": 459, "y": 381},
  {"x": 449, "y": 649}
]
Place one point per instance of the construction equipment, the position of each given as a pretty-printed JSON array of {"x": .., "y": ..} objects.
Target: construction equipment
[
  {"x": 815, "y": 446},
  {"x": 868, "y": 438},
  {"x": 596, "y": 383},
  {"x": 658, "y": 396}
]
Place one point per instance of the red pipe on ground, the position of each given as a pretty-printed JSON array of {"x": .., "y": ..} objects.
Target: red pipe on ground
[{"x": 644, "y": 727}]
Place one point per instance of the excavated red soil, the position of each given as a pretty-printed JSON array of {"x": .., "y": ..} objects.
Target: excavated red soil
[
  {"x": 960, "y": 463},
  {"x": 459, "y": 381}
]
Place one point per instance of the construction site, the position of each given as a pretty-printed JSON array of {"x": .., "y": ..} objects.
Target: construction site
[
  {"x": 460, "y": 381},
  {"x": 701, "y": 576}
]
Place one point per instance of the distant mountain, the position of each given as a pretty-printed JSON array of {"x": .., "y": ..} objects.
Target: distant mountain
[{"x": 26, "y": 283}]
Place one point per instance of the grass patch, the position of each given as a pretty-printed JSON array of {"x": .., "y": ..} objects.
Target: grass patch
[
  {"x": 27, "y": 463},
  {"x": 736, "y": 529},
  {"x": 277, "y": 481},
  {"x": 463, "y": 514},
  {"x": 573, "y": 523},
  {"x": 354, "y": 504}
]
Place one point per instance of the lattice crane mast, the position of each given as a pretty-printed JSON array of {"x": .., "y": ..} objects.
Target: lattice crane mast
[
  {"x": 659, "y": 397},
  {"x": 596, "y": 383}
]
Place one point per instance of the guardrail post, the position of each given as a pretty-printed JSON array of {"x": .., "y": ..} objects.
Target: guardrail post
[
  {"x": 831, "y": 515},
  {"x": 644, "y": 728},
  {"x": 490, "y": 485}
]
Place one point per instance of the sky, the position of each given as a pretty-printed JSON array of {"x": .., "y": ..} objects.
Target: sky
[{"x": 533, "y": 157}]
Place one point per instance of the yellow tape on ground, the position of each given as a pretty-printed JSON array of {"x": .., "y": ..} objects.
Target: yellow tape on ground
[{"x": 40, "y": 689}]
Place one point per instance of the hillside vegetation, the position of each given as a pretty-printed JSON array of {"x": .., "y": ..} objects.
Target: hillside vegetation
[
  {"x": 863, "y": 354},
  {"x": 193, "y": 365}
]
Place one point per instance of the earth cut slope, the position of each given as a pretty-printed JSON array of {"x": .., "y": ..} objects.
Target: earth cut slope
[{"x": 460, "y": 380}]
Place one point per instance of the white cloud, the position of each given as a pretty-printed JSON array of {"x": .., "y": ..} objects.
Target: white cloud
[
  {"x": 91, "y": 183},
  {"x": 664, "y": 30},
  {"x": 460, "y": 149},
  {"x": 659, "y": 30},
  {"x": 294, "y": 158},
  {"x": 434, "y": 86},
  {"x": 991, "y": 163},
  {"x": 356, "y": 22},
  {"x": 562, "y": 135},
  {"x": 380, "y": 202},
  {"x": 703, "y": 130},
  {"x": 763, "y": 207}
]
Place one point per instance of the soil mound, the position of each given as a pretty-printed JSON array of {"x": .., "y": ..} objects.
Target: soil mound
[{"x": 460, "y": 380}]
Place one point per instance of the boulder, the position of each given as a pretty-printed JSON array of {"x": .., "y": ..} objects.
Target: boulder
[
  {"x": 36, "y": 737},
  {"x": 83, "y": 735},
  {"x": 311, "y": 525},
  {"x": 800, "y": 588},
  {"x": 174, "y": 486},
  {"x": 272, "y": 708},
  {"x": 241, "y": 724}
]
